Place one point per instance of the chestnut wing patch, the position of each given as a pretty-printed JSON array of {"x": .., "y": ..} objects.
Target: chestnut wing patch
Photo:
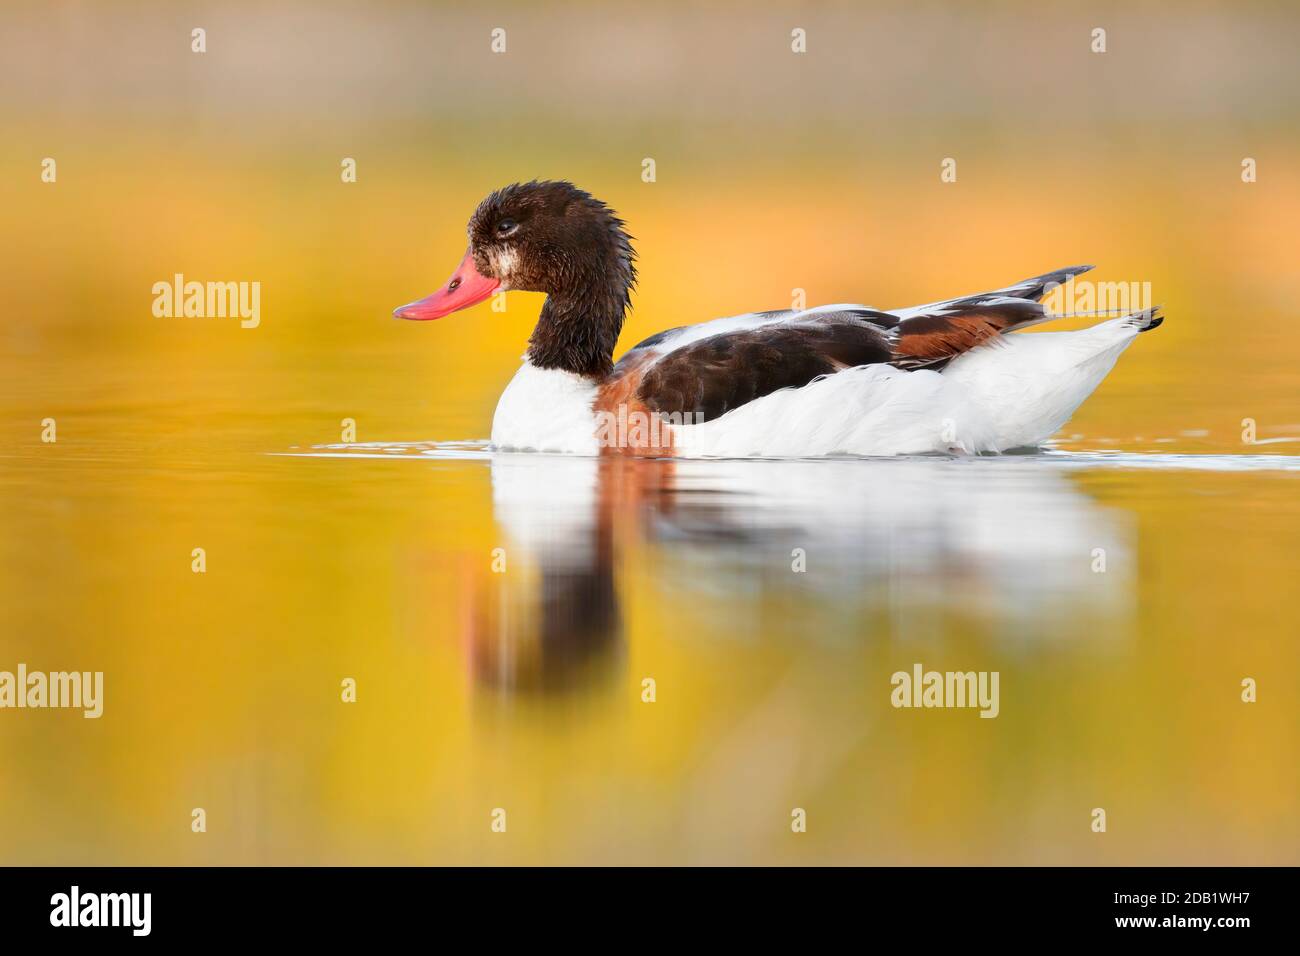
[
  {"x": 931, "y": 340},
  {"x": 711, "y": 377}
]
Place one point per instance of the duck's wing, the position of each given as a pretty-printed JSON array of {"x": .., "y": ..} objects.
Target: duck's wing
[
  {"x": 709, "y": 369},
  {"x": 930, "y": 336},
  {"x": 671, "y": 339},
  {"x": 746, "y": 357},
  {"x": 1033, "y": 288}
]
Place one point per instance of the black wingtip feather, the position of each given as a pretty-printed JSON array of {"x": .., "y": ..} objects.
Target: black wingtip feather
[
  {"x": 1147, "y": 319},
  {"x": 1037, "y": 287}
]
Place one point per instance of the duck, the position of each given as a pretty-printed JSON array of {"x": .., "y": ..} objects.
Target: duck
[{"x": 952, "y": 377}]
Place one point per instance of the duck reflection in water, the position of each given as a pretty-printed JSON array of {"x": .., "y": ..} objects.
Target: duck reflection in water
[{"x": 826, "y": 550}]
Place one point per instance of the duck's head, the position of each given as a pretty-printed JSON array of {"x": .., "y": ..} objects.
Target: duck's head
[{"x": 547, "y": 237}]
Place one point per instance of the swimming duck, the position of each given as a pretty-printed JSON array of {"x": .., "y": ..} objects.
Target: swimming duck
[{"x": 947, "y": 377}]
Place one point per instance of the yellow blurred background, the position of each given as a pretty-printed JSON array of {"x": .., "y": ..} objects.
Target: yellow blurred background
[{"x": 774, "y": 171}]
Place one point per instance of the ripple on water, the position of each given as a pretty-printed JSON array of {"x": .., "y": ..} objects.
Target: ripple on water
[{"x": 1109, "y": 458}]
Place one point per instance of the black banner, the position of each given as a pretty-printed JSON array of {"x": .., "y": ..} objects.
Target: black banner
[{"x": 1166, "y": 905}]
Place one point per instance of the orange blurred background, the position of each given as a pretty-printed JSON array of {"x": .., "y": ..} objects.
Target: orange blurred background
[{"x": 775, "y": 171}]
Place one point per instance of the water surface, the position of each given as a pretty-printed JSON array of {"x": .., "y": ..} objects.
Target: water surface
[{"x": 500, "y": 612}]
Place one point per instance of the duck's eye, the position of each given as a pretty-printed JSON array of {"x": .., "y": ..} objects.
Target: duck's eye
[{"x": 506, "y": 226}]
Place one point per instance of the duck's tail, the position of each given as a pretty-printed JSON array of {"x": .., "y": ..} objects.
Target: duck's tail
[
  {"x": 1028, "y": 386},
  {"x": 931, "y": 336},
  {"x": 1147, "y": 319}
]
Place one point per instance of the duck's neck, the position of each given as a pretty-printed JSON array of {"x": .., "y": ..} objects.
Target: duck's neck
[{"x": 577, "y": 332}]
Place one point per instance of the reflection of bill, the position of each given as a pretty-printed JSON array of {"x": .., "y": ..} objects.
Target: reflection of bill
[{"x": 1011, "y": 542}]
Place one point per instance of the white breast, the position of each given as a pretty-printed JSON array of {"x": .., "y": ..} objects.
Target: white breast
[{"x": 546, "y": 410}]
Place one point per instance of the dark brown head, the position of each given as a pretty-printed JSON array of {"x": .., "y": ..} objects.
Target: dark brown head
[{"x": 547, "y": 237}]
